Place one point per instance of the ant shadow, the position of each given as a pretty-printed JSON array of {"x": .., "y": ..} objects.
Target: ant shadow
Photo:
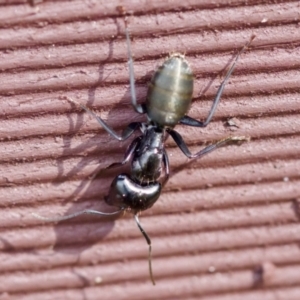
[{"x": 96, "y": 228}]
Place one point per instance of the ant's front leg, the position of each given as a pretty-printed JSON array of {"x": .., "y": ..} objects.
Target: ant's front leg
[
  {"x": 128, "y": 154},
  {"x": 127, "y": 132},
  {"x": 127, "y": 157}
]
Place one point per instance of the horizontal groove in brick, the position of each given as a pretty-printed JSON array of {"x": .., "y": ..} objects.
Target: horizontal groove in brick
[
  {"x": 200, "y": 285},
  {"x": 196, "y": 20},
  {"x": 277, "y": 213},
  {"x": 104, "y": 53},
  {"x": 135, "y": 270},
  {"x": 54, "y": 13},
  {"x": 130, "y": 243},
  {"x": 217, "y": 261},
  {"x": 291, "y": 293}
]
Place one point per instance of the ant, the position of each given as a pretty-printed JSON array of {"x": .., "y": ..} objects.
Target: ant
[{"x": 168, "y": 100}]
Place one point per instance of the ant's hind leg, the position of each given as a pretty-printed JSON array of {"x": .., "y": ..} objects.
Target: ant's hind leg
[
  {"x": 183, "y": 147},
  {"x": 186, "y": 120}
]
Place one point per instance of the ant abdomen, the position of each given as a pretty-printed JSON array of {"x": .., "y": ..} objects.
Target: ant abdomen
[{"x": 170, "y": 91}]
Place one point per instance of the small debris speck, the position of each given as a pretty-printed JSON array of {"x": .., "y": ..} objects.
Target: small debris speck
[
  {"x": 98, "y": 279},
  {"x": 211, "y": 269}
]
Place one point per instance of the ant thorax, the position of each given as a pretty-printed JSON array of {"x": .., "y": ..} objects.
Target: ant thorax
[{"x": 146, "y": 164}]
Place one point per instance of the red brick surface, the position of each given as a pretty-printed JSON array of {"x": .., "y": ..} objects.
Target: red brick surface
[{"x": 226, "y": 226}]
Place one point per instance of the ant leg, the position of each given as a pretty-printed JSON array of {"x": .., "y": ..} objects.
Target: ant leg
[
  {"x": 183, "y": 147},
  {"x": 67, "y": 217},
  {"x": 167, "y": 168},
  {"x": 149, "y": 244},
  {"x": 128, "y": 154},
  {"x": 127, "y": 132},
  {"x": 186, "y": 120},
  {"x": 137, "y": 107}
]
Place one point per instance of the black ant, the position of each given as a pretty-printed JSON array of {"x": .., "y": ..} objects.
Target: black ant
[{"x": 168, "y": 100}]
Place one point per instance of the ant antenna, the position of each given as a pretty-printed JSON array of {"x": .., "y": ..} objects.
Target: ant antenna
[
  {"x": 67, "y": 217},
  {"x": 149, "y": 243}
]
